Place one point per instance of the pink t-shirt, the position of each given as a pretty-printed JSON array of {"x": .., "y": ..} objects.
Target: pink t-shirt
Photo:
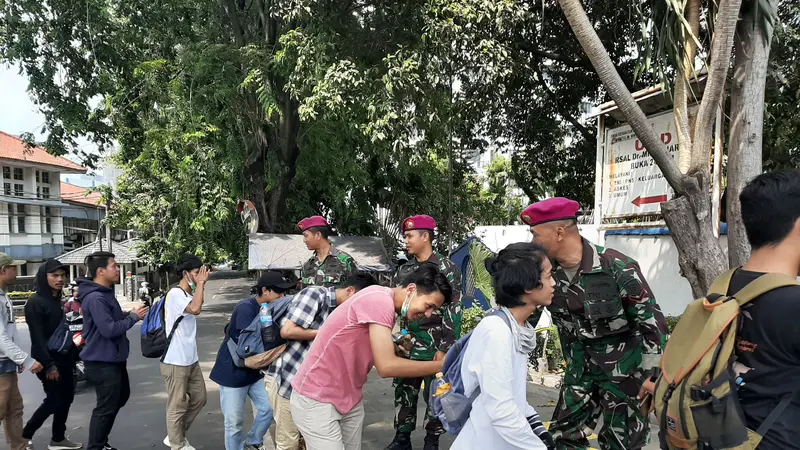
[{"x": 340, "y": 358}]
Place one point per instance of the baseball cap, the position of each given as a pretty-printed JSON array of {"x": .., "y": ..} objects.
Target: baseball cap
[
  {"x": 273, "y": 279},
  {"x": 6, "y": 260}
]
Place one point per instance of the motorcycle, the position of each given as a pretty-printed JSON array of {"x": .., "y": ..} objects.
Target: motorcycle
[{"x": 75, "y": 324}]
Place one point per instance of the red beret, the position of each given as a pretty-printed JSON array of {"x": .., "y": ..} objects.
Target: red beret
[
  {"x": 419, "y": 223},
  {"x": 552, "y": 209},
  {"x": 312, "y": 222}
]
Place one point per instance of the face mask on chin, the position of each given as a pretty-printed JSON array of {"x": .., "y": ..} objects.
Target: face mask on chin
[
  {"x": 407, "y": 304},
  {"x": 192, "y": 284}
]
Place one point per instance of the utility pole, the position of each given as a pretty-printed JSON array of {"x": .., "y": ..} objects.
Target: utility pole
[{"x": 108, "y": 224}]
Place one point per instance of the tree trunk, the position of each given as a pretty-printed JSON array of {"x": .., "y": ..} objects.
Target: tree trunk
[
  {"x": 681, "y": 109},
  {"x": 747, "y": 121},
  {"x": 689, "y": 216}
]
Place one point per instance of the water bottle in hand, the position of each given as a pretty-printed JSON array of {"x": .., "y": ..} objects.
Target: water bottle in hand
[{"x": 267, "y": 330}]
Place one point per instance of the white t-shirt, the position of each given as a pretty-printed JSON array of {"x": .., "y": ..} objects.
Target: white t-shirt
[{"x": 183, "y": 348}]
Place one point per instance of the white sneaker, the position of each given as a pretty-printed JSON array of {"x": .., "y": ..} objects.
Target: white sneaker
[{"x": 186, "y": 445}]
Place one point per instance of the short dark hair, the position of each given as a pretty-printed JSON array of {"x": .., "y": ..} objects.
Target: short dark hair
[
  {"x": 431, "y": 234},
  {"x": 187, "y": 263},
  {"x": 771, "y": 207},
  {"x": 515, "y": 270},
  {"x": 429, "y": 279},
  {"x": 260, "y": 289},
  {"x": 324, "y": 231},
  {"x": 98, "y": 260},
  {"x": 359, "y": 280}
]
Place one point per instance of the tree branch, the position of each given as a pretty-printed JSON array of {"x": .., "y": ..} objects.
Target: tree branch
[
  {"x": 587, "y": 134},
  {"x": 533, "y": 50},
  {"x": 233, "y": 16},
  {"x": 720, "y": 56},
  {"x": 597, "y": 54}
]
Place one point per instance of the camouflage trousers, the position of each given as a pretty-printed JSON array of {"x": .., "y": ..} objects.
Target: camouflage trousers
[
  {"x": 589, "y": 393},
  {"x": 406, "y": 395}
]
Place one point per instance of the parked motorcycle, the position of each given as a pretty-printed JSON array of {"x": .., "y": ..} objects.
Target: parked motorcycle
[{"x": 75, "y": 323}]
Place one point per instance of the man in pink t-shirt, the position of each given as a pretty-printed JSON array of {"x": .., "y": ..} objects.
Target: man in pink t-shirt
[{"x": 326, "y": 401}]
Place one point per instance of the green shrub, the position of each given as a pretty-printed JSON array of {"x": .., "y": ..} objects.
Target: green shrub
[
  {"x": 672, "y": 321},
  {"x": 471, "y": 318},
  {"x": 552, "y": 352}
]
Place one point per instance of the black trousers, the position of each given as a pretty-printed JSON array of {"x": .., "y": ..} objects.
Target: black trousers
[
  {"x": 113, "y": 389},
  {"x": 58, "y": 399}
]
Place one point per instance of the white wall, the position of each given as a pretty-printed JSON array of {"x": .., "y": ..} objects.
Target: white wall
[
  {"x": 657, "y": 256},
  {"x": 658, "y": 259}
]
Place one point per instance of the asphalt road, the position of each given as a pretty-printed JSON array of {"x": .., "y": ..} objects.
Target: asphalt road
[{"x": 140, "y": 425}]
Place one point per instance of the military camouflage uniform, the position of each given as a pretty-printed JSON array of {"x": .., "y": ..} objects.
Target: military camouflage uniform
[
  {"x": 438, "y": 333},
  {"x": 612, "y": 333},
  {"x": 335, "y": 269}
]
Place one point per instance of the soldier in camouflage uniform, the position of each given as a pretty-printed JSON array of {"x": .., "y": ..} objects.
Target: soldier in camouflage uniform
[
  {"x": 328, "y": 266},
  {"x": 611, "y": 328},
  {"x": 431, "y": 338}
]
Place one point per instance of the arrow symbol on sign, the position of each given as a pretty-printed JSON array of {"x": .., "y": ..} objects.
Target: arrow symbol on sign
[{"x": 639, "y": 201}]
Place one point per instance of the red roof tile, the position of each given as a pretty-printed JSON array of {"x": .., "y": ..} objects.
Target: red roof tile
[
  {"x": 12, "y": 147},
  {"x": 77, "y": 194}
]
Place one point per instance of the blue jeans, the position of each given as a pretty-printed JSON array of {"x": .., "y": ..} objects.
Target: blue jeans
[{"x": 232, "y": 401}]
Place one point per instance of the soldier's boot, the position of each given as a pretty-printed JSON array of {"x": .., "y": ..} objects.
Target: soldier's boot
[
  {"x": 431, "y": 442},
  {"x": 402, "y": 441}
]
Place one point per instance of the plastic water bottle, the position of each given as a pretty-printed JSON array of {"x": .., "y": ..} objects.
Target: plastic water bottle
[{"x": 265, "y": 317}]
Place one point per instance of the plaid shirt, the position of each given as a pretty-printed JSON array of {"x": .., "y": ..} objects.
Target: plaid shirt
[{"x": 309, "y": 309}]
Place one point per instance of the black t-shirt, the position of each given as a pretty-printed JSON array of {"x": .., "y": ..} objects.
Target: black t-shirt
[{"x": 768, "y": 360}]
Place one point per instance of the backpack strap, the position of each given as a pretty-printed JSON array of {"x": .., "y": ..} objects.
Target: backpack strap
[
  {"x": 776, "y": 413},
  {"x": 721, "y": 284},
  {"x": 762, "y": 285},
  {"x": 174, "y": 327}
]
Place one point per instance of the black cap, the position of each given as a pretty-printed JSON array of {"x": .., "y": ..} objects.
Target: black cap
[
  {"x": 273, "y": 279},
  {"x": 53, "y": 265}
]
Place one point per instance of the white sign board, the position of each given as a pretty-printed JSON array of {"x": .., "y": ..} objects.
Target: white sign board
[{"x": 632, "y": 182}]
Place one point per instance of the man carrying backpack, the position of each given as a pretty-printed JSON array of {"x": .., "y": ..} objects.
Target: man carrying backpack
[
  {"x": 236, "y": 384},
  {"x": 754, "y": 329},
  {"x": 107, "y": 348},
  {"x": 611, "y": 329},
  {"x": 306, "y": 314},
  {"x": 44, "y": 315},
  {"x": 180, "y": 367}
]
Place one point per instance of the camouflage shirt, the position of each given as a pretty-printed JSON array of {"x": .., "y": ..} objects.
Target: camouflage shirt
[
  {"x": 443, "y": 328},
  {"x": 609, "y": 309},
  {"x": 334, "y": 269}
]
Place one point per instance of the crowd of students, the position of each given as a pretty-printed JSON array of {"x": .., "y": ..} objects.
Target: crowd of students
[{"x": 335, "y": 335}]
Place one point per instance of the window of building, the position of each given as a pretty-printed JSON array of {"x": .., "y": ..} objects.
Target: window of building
[
  {"x": 48, "y": 225},
  {"x": 38, "y": 192},
  {"x": 6, "y": 172},
  {"x": 7, "y": 188},
  {"x": 45, "y": 192},
  {"x": 10, "y": 223},
  {"x": 47, "y": 210},
  {"x": 20, "y": 209},
  {"x": 21, "y": 224},
  {"x": 37, "y": 176},
  {"x": 46, "y": 177},
  {"x": 19, "y": 173},
  {"x": 23, "y": 270},
  {"x": 18, "y": 190}
]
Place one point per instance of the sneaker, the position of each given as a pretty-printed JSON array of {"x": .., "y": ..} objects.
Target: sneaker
[
  {"x": 64, "y": 444},
  {"x": 108, "y": 447},
  {"x": 186, "y": 444},
  {"x": 29, "y": 446}
]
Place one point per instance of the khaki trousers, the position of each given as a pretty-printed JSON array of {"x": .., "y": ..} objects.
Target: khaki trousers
[
  {"x": 286, "y": 435},
  {"x": 324, "y": 428},
  {"x": 186, "y": 396},
  {"x": 11, "y": 411}
]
